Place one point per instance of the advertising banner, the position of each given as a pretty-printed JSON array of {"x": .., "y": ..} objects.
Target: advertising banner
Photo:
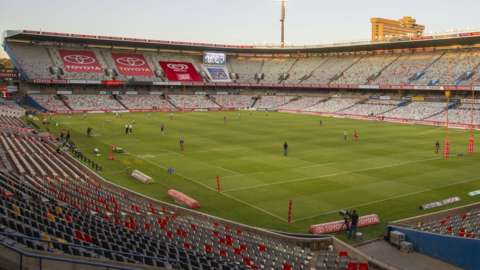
[
  {"x": 337, "y": 226},
  {"x": 132, "y": 64},
  {"x": 180, "y": 71},
  {"x": 80, "y": 61}
]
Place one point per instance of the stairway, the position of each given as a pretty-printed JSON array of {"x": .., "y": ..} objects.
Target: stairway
[{"x": 119, "y": 100}]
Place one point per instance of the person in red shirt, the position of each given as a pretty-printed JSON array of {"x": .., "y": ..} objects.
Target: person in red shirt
[{"x": 355, "y": 135}]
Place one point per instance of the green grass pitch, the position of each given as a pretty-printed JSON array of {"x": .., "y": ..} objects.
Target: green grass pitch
[{"x": 390, "y": 171}]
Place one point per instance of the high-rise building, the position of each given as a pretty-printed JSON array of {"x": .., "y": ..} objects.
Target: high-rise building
[{"x": 385, "y": 29}]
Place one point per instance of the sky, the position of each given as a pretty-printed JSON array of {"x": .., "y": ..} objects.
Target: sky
[{"x": 232, "y": 21}]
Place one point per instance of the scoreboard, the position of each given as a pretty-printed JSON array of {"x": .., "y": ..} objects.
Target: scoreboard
[{"x": 214, "y": 58}]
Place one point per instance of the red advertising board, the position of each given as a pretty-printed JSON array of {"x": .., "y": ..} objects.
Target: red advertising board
[
  {"x": 180, "y": 71},
  {"x": 183, "y": 199},
  {"x": 132, "y": 64},
  {"x": 80, "y": 61},
  {"x": 337, "y": 226},
  {"x": 8, "y": 74}
]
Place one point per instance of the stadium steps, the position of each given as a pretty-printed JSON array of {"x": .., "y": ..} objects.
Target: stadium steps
[
  {"x": 167, "y": 98},
  {"x": 254, "y": 102},
  {"x": 318, "y": 102},
  {"x": 52, "y": 57},
  {"x": 424, "y": 71},
  {"x": 450, "y": 107},
  {"x": 64, "y": 101},
  {"x": 339, "y": 75},
  {"x": 308, "y": 76},
  {"x": 290, "y": 100},
  {"x": 214, "y": 101},
  {"x": 119, "y": 100},
  {"x": 372, "y": 78},
  {"x": 392, "y": 109},
  {"x": 346, "y": 108}
]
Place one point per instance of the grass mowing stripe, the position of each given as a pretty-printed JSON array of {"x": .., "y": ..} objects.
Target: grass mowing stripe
[{"x": 328, "y": 175}]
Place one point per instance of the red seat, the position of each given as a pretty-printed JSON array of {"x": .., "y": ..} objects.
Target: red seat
[
  {"x": 343, "y": 254},
  {"x": 352, "y": 266},
  {"x": 363, "y": 266}
]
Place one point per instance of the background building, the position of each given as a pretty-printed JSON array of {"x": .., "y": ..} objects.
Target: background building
[{"x": 384, "y": 29}]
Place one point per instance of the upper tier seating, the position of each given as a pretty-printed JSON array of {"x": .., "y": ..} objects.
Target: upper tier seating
[
  {"x": 448, "y": 69},
  {"x": 365, "y": 68},
  {"x": 33, "y": 60},
  {"x": 406, "y": 67},
  {"x": 331, "y": 67}
]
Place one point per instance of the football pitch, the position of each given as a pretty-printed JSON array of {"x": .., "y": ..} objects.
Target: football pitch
[{"x": 390, "y": 171}]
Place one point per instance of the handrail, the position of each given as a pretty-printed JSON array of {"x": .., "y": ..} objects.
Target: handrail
[
  {"x": 77, "y": 246},
  {"x": 59, "y": 259}
]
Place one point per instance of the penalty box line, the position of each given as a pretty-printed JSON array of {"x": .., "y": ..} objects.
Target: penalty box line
[
  {"x": 214, "y": 190},
  {"x": 387, "y": 199}
]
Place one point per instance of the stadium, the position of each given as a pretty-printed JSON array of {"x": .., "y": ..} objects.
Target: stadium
[{"x": 128, "y": 153}]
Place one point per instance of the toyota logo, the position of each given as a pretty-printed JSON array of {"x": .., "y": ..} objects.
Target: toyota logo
[
  {"x": 178, "y": 67},
  {"x": 79, "y": 59},
  {"x": 130, "y": 61}
]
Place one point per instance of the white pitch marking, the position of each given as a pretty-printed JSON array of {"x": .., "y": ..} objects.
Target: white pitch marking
[
  {"x": 387, "y": 199},
  {"x": 326, "y": 175},
  {"x": 214, "y": 190}
]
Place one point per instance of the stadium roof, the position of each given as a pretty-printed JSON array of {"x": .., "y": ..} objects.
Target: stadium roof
[{"x": 458, "y": 39}]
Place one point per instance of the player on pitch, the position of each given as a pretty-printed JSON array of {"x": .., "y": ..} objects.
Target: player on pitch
[
  {"x": 355, "y": 135},
  {"x": 182, "y": 144},
  {"x": 437, "y": 147}
]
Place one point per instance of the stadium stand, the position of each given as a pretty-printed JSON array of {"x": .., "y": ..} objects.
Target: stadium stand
[
  {"x": 34, "y": 61},
  {"x": 331, "y": 69},
  {"x": 334, "y": 104},
  {"x": 52, "y": 103},
  {"x": 301, "y": 103},
  {"x": 145, "y": 102},
  {"x": 450, "y": 68},
  {"x": 93, "y": 103},
  {"x": 271, "y": 102},
  {"x": 372, "y": 107},
  {"x": 407, "y": 69},
  {"x": 233, "y": 101},
  {"x": 417, "y": 110},
  {"x": 246, "y": 69},
  {"x": 193, "y": 102},
  {"x": 366, "y": 69}
]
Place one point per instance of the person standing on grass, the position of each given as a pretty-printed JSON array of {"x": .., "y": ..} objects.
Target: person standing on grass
[
  {"x": 345, "y": 135},
  {"x": 321, "y": 122},
  {"x": 162, "y": 129},
  {"x": 126, "y": 129},
  {"x": 353, "y": 226},
  {"x": 224, "y": 119},
  {"x": 355, "y": 135},
  {"x": 285, "y": 149},
  {"x": 182, "y": 144},
  {"x": 437, "y": 147}
]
